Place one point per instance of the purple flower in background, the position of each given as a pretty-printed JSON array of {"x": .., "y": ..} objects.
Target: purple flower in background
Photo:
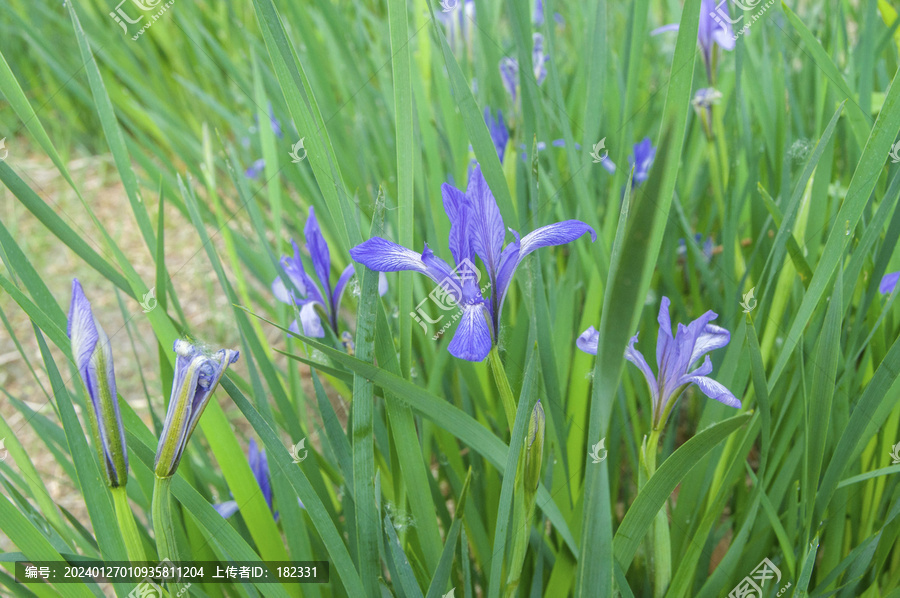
[
  {"x": 538, "y": 19},
  {"x": 708, "y": 247},
  {"x": 642, "y": 159},
  {"x": 674, "y": 358},
  {"x": 715, "y": 28},
  {"x": 276, "y": 126},
  {"x": 509, "y": 67},
  {"x": 273, "y": 122},
  {"x": 538, "y": 58},
  {"x": 459, "y": 21},
  {"x": 259, "y": 465},
  {"x": 314, "y": 300},
  {"x": 476, "y": 228},
  {"x": 93, "y": 358},
  {"x": 498, "y": 130},
  {"x": 509, "y": 74},
  {"x": 889, "y": 283},
  {"x": 255, "y": 169}
]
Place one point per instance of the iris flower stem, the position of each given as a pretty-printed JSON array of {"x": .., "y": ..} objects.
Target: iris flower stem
[
  {"x": 506, "y": 395},
  {"x": 661, "y": 545},
  {"x": 163, "y": 526},
  {"x": 127, "y": 525}
]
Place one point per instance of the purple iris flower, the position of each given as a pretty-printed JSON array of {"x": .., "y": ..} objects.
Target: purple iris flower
[
  {"x": 93, "y": 358},
  {"x": 476, "y": 228},
  {"x": 459, "y": 20},
  {"x": 674, "y": 358},
  {"x": 509, "y": 67},
  {"x": 255, "y": 169},
  {"x": 276, "y": 126},
  {"x": 498, "y": 130},
  {"x": 539, "y": 15},
  {"x": 889, "y": 283},
  {"x": 642, "y": 159},
  {"x": 273, "y": 122},
  {"x": 714, "y": 28},
  {"x": 314, "y": 300},
  {"x": 259, "y": 465},
  {"x": 708, "y": 247}
]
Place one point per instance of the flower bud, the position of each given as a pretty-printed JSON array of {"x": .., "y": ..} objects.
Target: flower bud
[
  {"x": 197, "y": 374},
  {"x": 534, "y": 449},
  {"x": 93, "y": 358}
]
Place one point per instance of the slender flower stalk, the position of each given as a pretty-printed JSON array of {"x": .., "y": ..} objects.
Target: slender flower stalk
[
  {"x": 528, "y": 478},
  {"x": 92, "y": 352},
  {"x": 506, "y": 395},
  {"x": 476, "y": 228}
]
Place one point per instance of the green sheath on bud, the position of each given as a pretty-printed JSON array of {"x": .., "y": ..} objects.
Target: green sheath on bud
[{"x": 534, "y": 451}]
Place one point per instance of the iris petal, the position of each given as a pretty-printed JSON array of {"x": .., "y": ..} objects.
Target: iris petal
[
  {"x": 637, "y": 358},
  {"x": 711, "y": 338},
  {"x": 715, "y": 390},
  {"x": 888, "y": 283},
  {"x": 456, "y": 207},
  {"x": 472, "y": 339},
  {"x": 81, "y": 327},
  {"x": 341, "y": 285},
  {"x": 559, "y": 233},
  {"x": 226, "y": 509},
  {"x": 486, "y": 225},
  {"x": 386, "y": 256},
  {"x": 309, "y": 318},
  {"x": 664, "y": 338},
  {"x": 588, "y": 341},
  {"x": 318, "y": 250}
]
